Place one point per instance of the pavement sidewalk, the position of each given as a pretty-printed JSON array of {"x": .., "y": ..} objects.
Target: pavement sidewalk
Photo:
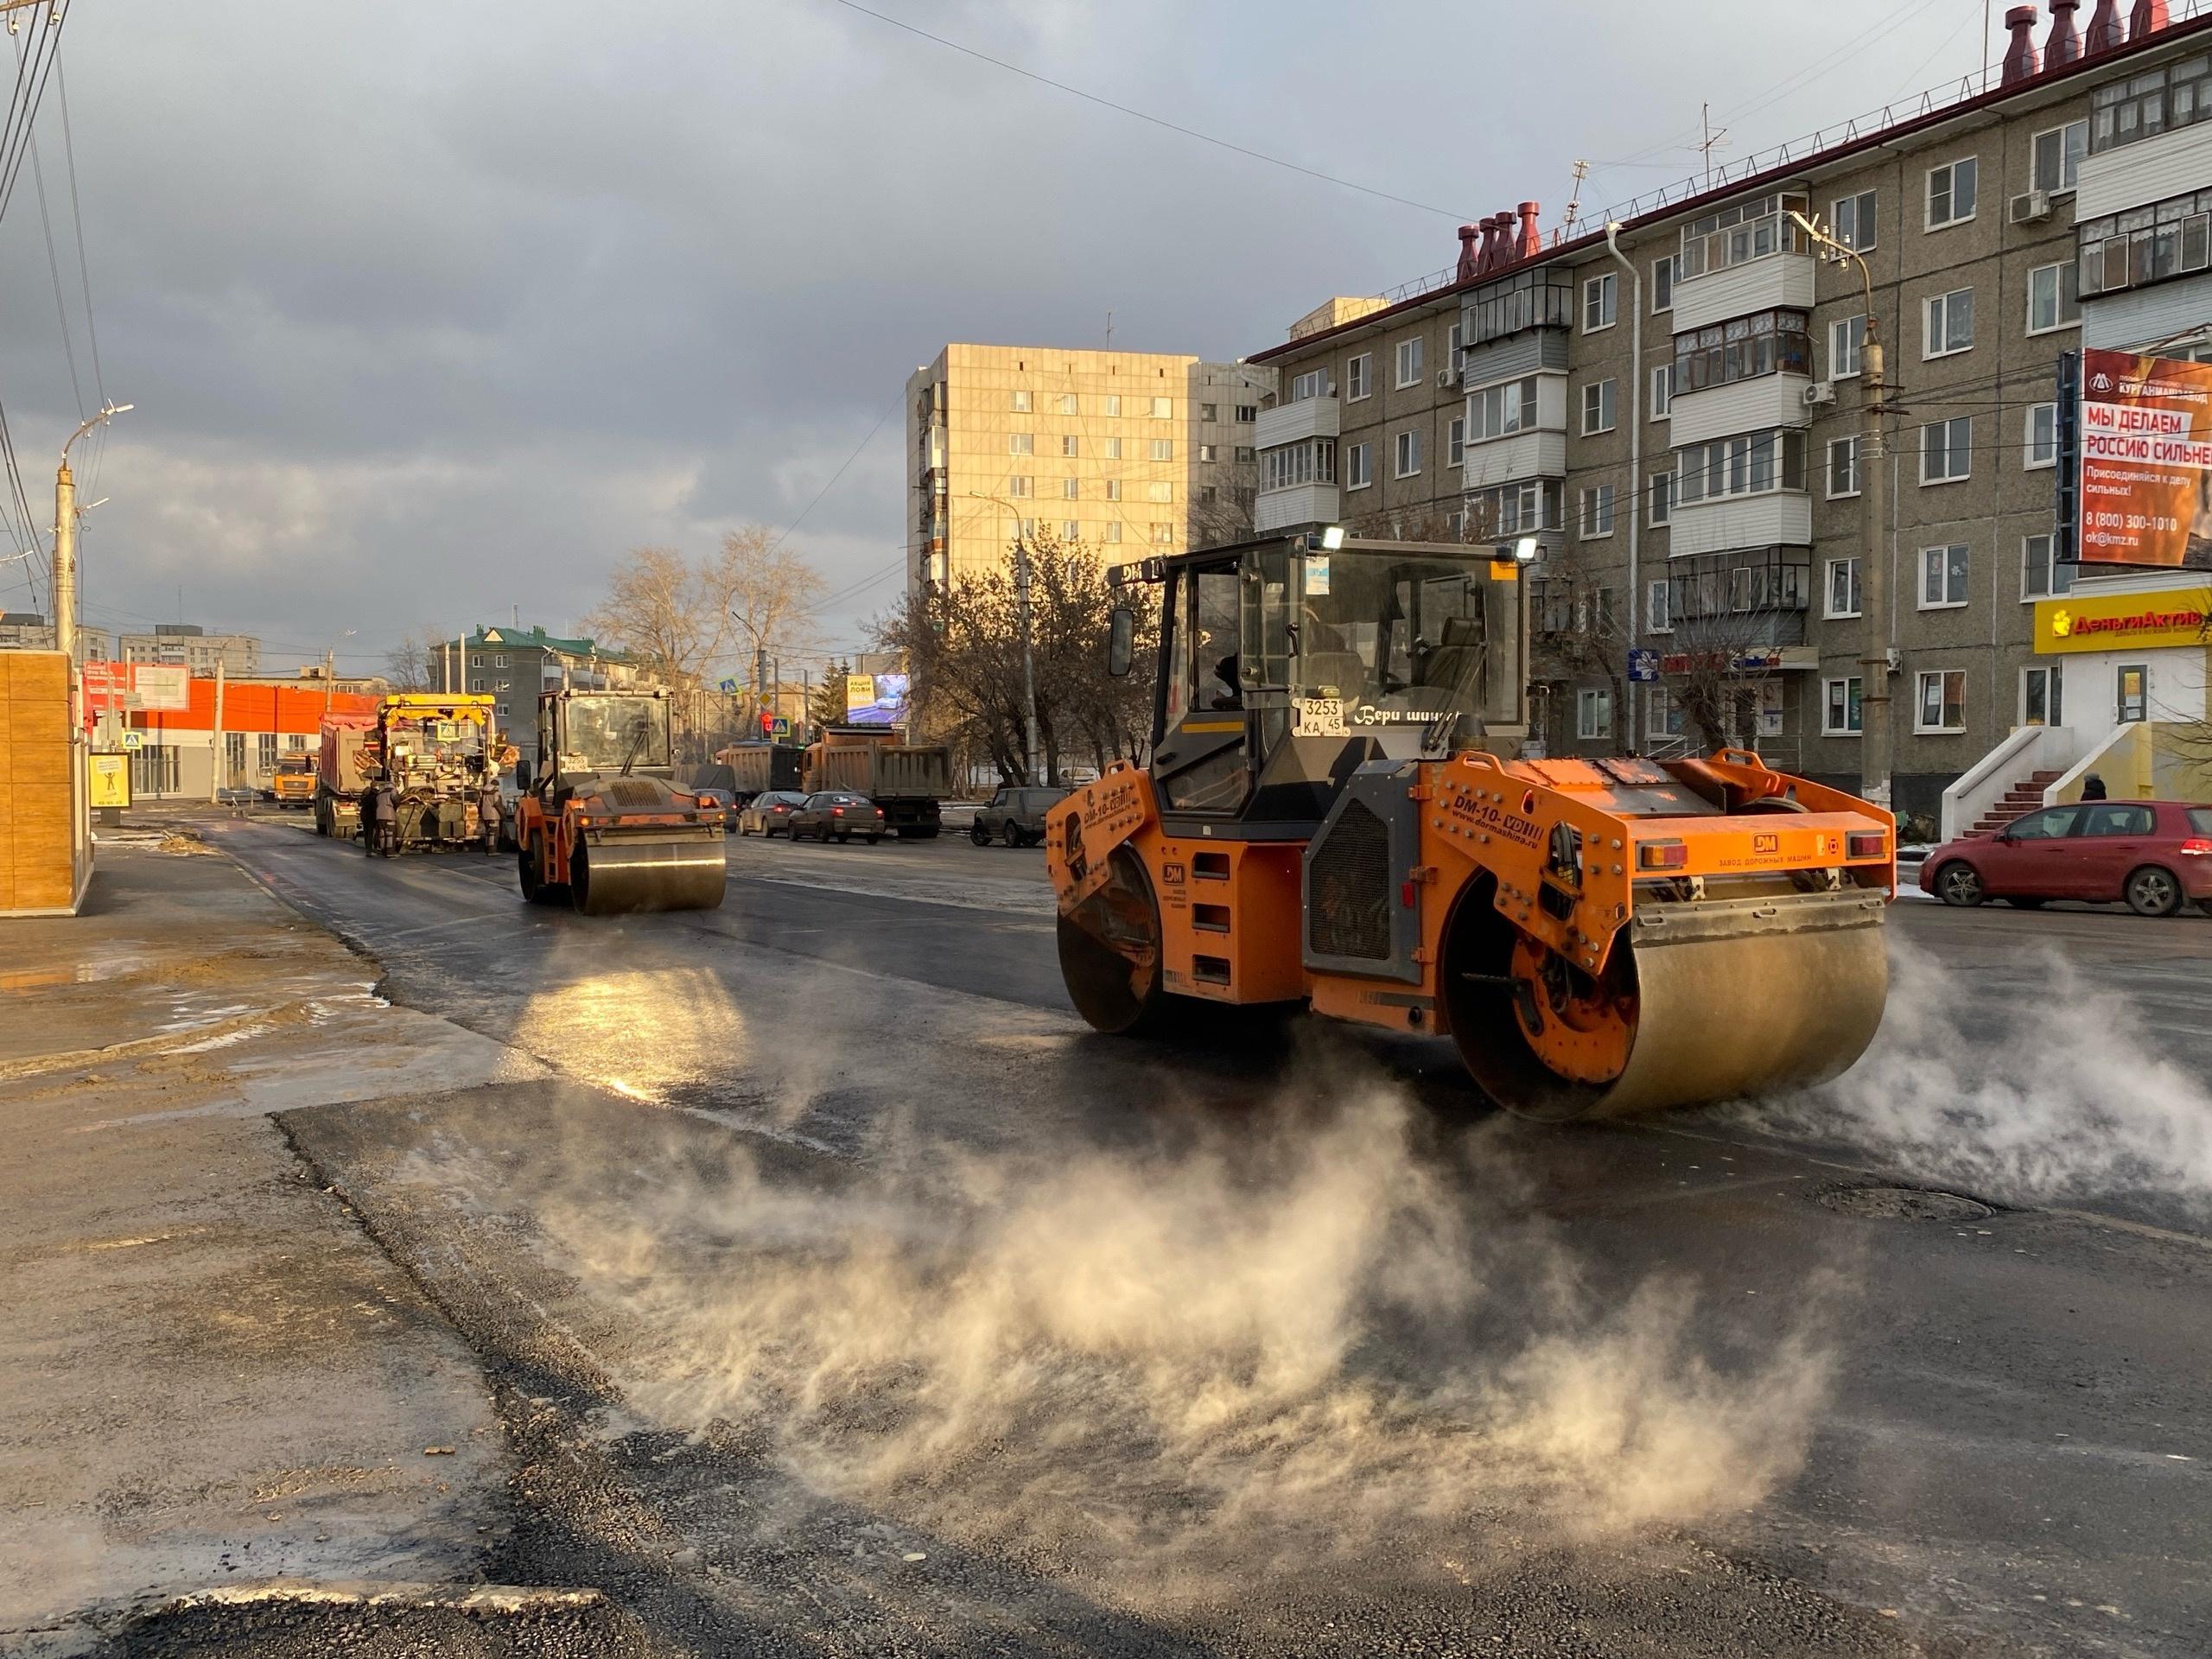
[{"x": 212, "y": 1378}]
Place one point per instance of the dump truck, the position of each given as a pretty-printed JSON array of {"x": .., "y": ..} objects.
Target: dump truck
[
  {"x": 1335, "y": 814},
  {"x": 437, "y": 751},
  {"x": 345, "y": 740},
  {"x": 908, "y": 781},
  {"x": 600, "y": 824},
  {"x": 293, "y": 782},
  {"x": 757, "y": 768}
]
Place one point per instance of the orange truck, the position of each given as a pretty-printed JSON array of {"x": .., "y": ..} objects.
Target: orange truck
[
  {"x": 347, "y": 745},
  {"x": 293, "y": 782},
  {"x": 1336, "y": 813}
]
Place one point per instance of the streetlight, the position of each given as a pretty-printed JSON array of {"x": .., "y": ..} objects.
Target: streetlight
[
  {"x": 1873, "y": 561},
  {"x": 64, "y": 623},
  {"x": 330, "y": 666},
  {"x": 1021, "y": 602}
]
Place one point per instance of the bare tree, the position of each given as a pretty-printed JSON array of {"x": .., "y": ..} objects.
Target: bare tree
[
  {"x": 1579, "y": 631},
  {"x": 768, "y": 595},
  {"x": 1729, "y": 622},
  {"x": 417, "y": 662},
  {"x": 1222, "y": 515}
]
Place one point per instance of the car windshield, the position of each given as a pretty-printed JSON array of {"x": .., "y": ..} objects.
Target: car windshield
[
  {"x": 603, "y": 734},
  {"x": 1366, "y": 638}
]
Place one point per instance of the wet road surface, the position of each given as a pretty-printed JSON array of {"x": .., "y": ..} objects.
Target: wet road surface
[{"x": 844, "y": 1294}]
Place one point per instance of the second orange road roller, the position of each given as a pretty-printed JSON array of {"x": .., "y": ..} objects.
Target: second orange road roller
[
  {"x": 600, "y": 823},
  {"x": 1336, "y": 813}
]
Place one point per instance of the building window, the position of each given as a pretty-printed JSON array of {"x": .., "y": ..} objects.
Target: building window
[
  {"x": 1597, "y": 513},
  {"x": 1767, "y": 342},
  {"x": 1160, "y": 490},
  {"x": 1950, "y": 193},
  {"x": 1950, "y": 323},
  {"x": 1163, "y": 535},
  {"x": 1409, "y": 454},
  {"x": 2042, "y": 576},
  {"x": 1208, "y": 451},
  {"x": 1113, "y": 532},
  {"x": 1735, "y": 235},
  {"x": 1517, "y": 509},
  {"x": 1597, "y": 400},
  {"x": 1656, "y": 616},
  {"x": 2040, "y": 447},
  {"x": 1947, "y": 450},
  {"x": 476, "y": 661},
  {"x": 1593, "y": 715},
  {"x": 1663, "y": 284},
  {"x": 1661, "y": 496},
  {"x": 1163, "y": 409},
  {"x": 1020, "y": 403},
  {"x": 2052, "y": 300},
  {"x": 1109, "y": 449},
  {"x": 1113, "y": 489},
  {"x": 499, "y": 661},
  {"x": 2145, "y": 105},
  {"x": 1662, "y": 392},
  {"x": 1942, "y": 703},
  {"x": 1662, "y": 715},
  {"x": 1113, "y": 403},
  {"x": 1841, "y": 715},
  {"x": 1852, "y": 219},
  {"x": 1070, "y": 531},
  {"x": 1598, "y": 300},
  {"x": 265, "y": 750},
  {"x": 1846, "y": 344},
  {"x": 1018, "y": 487},
  {"x": 1455, "y": 440},
  {"x": 1246, "y": 413},
  {"x": 1209, "y": 412},
  {"x": 1409, "y": 354},
  {"x": 1021, "y": 443},
  {"x": 1497, "y": 410},
  {"x": 1843, "y": 467},
  {"x": 1244, "y": 454},
  {"x": 1305, "y": 385},
  {"x": 1359, "y": 377},
  {"x": 295, "y": 743},
  {"x": 2059, "y": 157},
  {"x": 1071, "y": 489},
  {"x": 1026, "y": 529},
  {"x": 1069, "y": 448},
  {"x": 1843, "y": 589},
  {"x": 1532, "y": 299},
  {"x": 1314, "y": 461},
  {"x": 1942, "y": 577},
  {"x": 1744, "y": 465},
  {"x": 1358, "y": 466},
  {"x": 1163, "y": 449},
  {"x": 1067, "y": 402},
  {"x": 1454, "y": 343}
]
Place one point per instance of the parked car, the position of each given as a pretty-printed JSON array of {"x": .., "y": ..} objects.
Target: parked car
[
  {"x": 2152, "y": 855},
  {"x": 835, "y": 815},
  {"x": 769, "y": 813},
  {"x": 1016, "y": 816},
  {"x": 722, "y": 801}
]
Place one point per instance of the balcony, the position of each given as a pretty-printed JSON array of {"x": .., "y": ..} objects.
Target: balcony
[
  {"x": 1539, "y": 454},
  {"x": 1301, "y": 504},
  {"x": 1739, "y": 602},
  {"x": 2150, "y": 138},
  {"x": 1777, "y": 518},
  {"x": 1760, "y": 404},
  {"x": 1765, "y": 284},
  {"x": 1308, "y": 417}
]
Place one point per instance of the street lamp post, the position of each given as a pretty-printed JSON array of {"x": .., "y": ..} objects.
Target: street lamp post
[
  {"x": 65, "y": 625},
  {"x": 330, "y": 665},
  {"x": 1028, "y": 655},
  {"x": 1875, "y": 729}
]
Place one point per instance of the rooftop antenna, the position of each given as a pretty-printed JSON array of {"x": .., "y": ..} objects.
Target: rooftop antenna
[
  {"x": 1109, "y": 331},
  {"x": 1574, "y": 203},
  {"x": 1715, "y": 138}
]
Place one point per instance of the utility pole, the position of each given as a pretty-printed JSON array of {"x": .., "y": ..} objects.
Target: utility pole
[
  {"x": 65, "y": 631},
  {"x": 215, "y": 740},
  {"x": 1028, "y": 653},
  {"x": 1632, "y": 498},
  {"x": 1876, "y": 733}
]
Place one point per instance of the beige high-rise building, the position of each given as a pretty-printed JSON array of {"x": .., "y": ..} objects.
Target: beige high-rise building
[{"x": 1129, "y": 453}]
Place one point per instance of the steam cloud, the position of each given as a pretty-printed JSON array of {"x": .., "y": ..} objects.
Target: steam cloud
[{"x": 1163, "y": 1353}]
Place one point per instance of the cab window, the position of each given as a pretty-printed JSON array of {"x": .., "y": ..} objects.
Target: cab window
[{"x": 1215, "y": 650}]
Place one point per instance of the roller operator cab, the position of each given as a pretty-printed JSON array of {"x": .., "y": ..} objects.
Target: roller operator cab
[
  {"x": 1335, "y": 813},
  {"x": 600, "y": 822}
]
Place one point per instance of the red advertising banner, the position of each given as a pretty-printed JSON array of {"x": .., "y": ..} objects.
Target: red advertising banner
[{"x": 2146, "y": 460}]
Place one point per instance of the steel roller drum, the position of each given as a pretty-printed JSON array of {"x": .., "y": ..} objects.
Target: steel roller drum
[
  {"x": 662, "y": 870},
  {"x": 1734, "y": 999}
]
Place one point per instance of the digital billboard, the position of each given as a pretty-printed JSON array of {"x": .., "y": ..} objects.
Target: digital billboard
[
  {"x": 875, "y": 699},
  {"x": 2142, "y": 489}
]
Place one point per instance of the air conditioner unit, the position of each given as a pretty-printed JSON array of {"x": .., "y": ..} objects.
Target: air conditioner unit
[
  {"x": 2031, "y": 207},
  {"x": 1819, "y": 394},
  {"x": 1445, "y": 378}
]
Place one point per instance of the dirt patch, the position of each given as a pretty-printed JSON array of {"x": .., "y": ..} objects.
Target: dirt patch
[{"x": 1902, "y": 1204}]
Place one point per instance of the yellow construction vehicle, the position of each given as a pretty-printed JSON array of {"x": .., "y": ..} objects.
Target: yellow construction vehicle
[
  {"x": 437, "y": 751},
  {"x": 600, "y": 824},
  {"x": 1335, "y": 813}
]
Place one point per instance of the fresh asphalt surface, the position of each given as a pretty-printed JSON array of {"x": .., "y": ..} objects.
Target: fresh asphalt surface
[{"x": 1831, "y": 1421}]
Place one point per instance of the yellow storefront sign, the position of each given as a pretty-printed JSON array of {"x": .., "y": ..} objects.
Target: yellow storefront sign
[{"x": 2124, "y": 621}]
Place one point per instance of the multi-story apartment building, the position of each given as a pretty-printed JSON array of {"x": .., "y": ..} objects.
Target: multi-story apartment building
[
  {"x": 1129, "y": 453},
  {"x": 29, "y": 630},
  {"x": 514, "y": 665},
  {"x": 191, "y": 645},
  {"x": 1679, "y": 422}
]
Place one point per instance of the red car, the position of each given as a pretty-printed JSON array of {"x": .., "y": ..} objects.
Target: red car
[{"x": 2154, "y": 854}]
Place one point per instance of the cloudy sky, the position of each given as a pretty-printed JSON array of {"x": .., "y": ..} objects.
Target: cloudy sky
[{"x": 429, "y": 314}]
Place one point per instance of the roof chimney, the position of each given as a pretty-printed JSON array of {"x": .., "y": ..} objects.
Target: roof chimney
[
  {"x": 1486, "y": 259},
  {"x": 2150, "y": 17},
  {"x": 1532, "y": 239},
  {"x": 2106, "y": 34},
  {"x": 2065, "y": 45},
  {"x": 2020, "y": 60},
  {"x": 1467, "y": 235}
]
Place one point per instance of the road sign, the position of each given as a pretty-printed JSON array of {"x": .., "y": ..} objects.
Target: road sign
[
  {"x": 728, "y": 688},
  {"x": 775, "y": 725},
  {"x": 1642, "y": 666},
  {"x": 133, "y": 740}
]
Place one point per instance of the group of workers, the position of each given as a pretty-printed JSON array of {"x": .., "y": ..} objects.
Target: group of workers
[{"x": 380, "y": 804}]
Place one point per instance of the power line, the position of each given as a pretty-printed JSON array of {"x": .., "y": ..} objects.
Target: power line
[
  {"x": 839, "y": 473},
  {"x": 53, "y": 270},
  {"x": 1153, "y": 120},
  {"x": 77, "y": 217}
]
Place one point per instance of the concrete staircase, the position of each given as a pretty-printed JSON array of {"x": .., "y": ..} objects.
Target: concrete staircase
[{"x": 2019, "y": 798}]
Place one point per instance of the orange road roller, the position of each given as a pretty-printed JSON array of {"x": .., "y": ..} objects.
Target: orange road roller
[{"x": 1335, "y": 814}]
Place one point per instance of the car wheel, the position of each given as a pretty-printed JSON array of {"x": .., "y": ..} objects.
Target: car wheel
[
  {"x": 1958, "y": 884},
  {"x": 844, "y": 837},
  {"x": 2152, "y": 891},
  {"x": 980, "y": 833},
  {"x": 872, "y": 840}
]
